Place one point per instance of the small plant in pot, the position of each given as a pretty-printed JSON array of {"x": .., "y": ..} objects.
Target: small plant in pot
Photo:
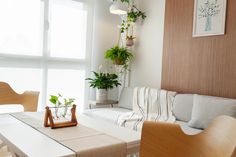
[
  {"x": 119, "y": 55},
  {"x": 56, "y": 100},
  {"x": 103, "y": 82},
  {"x": 130, "y": 40}
]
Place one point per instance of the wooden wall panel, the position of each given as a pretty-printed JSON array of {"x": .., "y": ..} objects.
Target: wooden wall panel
[{"x": 203, "y": 65}]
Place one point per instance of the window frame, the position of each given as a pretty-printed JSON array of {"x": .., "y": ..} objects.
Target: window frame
[{"x": 46, "y": 62}]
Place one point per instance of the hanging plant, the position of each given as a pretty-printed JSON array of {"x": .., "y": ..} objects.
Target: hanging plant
[
  {"x": 130, "y": 40},
  {"x": 133, "y": 15},
  {"x": 119, "y": 56}
]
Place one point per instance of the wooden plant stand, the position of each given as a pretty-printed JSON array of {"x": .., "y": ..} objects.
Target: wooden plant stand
[{"x": 48, "y": 119}]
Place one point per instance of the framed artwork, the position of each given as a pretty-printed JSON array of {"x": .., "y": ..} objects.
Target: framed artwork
[{"x": 209, "y": 17}]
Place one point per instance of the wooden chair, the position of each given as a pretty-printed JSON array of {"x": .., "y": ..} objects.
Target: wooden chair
[
  {"x": 168, "y": 140},
  {"x": 29, "y": 100}
]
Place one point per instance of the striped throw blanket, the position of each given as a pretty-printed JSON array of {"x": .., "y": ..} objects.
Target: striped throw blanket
[{"x": 148, "y": 104}]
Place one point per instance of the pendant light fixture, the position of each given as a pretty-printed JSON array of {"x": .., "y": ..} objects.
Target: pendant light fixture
[{"x": 118, "y": 8}]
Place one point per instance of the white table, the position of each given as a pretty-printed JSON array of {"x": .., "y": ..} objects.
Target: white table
[{"x": 26, "y": 141}]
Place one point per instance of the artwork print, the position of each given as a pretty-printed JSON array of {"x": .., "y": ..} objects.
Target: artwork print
[{"x": 209, "y": 17}]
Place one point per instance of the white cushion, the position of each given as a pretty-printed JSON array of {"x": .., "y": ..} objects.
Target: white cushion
[
  {"x": 182, "y": 107},
  {"x": 206, "y": 108},
  {"x": 188, "y": 130},
  {"x": 126, "y": 98},
  {"x": 108, "y": 114}
]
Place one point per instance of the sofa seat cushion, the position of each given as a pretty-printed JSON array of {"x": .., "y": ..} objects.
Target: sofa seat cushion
[
  {"x": 188, "y": 130},
  {"x": 107, "y": 114}
]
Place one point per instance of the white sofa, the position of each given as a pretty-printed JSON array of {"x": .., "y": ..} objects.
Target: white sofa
[{"x": 205, "y": 109}]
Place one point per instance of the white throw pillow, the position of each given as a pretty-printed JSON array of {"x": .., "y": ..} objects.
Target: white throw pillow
[
  {"x": 182, "y": 107},
  {"x": 206, "y": 108}
]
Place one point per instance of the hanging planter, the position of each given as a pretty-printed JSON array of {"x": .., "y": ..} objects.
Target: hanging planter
[
  {"x": 119, "y": 55},
  {"x": 130, "y": 41},
  {"x": 118, "y": 61}
]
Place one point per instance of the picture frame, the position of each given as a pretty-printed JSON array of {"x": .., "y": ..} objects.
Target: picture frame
[{"x": 209, "y": 17}]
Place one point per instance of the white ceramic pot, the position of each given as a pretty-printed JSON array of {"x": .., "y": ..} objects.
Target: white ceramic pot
[{"x": 101, "y": 94}]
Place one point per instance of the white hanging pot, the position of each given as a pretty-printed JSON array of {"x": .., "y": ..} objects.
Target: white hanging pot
[{"x": 101, "y": 94}]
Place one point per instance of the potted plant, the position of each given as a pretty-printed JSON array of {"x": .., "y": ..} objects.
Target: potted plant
[
  {"x": 103, "y": 82},
  {"x": 130, "y": 40},
  {"x": 56, "y": 101},
  {"x": 119, "y": 55}
]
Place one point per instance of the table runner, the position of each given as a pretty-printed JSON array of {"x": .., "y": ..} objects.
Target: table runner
[{"x": 84, "y": 141}]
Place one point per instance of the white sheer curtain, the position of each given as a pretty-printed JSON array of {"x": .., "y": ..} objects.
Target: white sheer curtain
[{"x": 45, "y": 46}]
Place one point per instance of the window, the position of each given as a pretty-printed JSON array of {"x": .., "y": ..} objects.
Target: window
[
  {"x": 21, "y": 27},
  {"x": 68, "y": 29},
  {"x": 43, "y": 47}
]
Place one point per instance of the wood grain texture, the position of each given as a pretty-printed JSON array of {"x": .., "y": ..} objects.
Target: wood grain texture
[
  {"x": 29, "y": 99},
  {"x": 168, "y": 140},
  {"x": 202, "y": 65}
]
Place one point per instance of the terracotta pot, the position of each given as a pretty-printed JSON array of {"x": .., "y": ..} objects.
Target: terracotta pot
[
  {"x": 118, "y": 62},
  {"x": 129, "y": 42}
]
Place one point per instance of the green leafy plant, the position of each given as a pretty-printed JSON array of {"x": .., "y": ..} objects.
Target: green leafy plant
[
  {"x": 55, "y": 99},
  {"x": 133, "y": 15},
  {"x": 104, "y": 81},
  {"x": 119, "y": 55},
  {"x": 126, "y": 1}
]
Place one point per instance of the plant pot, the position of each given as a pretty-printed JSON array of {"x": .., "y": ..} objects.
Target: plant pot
[
  {"x": 129, "y": 42},
  {"x": 101, "y": 94},
  {"x": 117, "y": 61}
]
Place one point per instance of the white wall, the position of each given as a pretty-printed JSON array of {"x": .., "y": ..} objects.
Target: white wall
[
  {"x": 147, "y": 64},
  {"x": 105, "y": 34}
]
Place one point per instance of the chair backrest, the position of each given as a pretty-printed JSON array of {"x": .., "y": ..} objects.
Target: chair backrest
[
  {"x": 29, "y": 99},
  {"x": 168, "y": 140}
]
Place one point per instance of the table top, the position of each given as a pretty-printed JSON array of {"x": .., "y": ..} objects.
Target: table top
[
  {"x": 103, "y": 102},
  {"x": 28, "y": 141},
  {"x": 18, "y": 135}
]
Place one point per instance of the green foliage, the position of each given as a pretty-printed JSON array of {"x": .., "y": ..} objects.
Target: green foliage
[
  {"x": 119, "y": 54},
  {"x": 132, "y": 16},
  {"x": 104, "y": 81},
  {"x": 56, "y": 100},
  {"x": 126, "y": 1},
  {"x": 69, "y": 101}
]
